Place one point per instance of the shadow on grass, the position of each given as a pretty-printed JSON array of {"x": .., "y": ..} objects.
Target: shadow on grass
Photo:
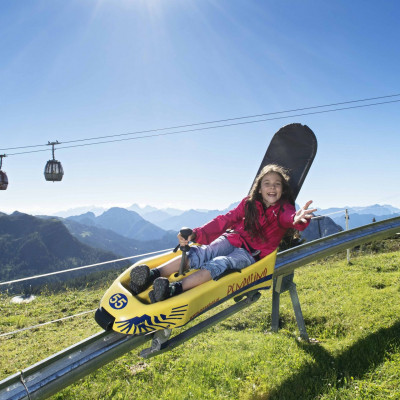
[{"x": 313, "y": 379}]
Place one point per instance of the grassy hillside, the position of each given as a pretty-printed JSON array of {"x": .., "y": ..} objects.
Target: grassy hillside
[{"x": 352, "y": 310}]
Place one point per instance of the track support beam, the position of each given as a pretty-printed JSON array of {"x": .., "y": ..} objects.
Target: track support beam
[{"x": 283, "y": 284}]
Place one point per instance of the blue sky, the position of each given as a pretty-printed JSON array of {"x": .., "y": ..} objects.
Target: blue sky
[{"x": 72, "y": 70}]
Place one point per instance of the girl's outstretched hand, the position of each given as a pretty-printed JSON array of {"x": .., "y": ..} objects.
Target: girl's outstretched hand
[{"x": 303, "y": 214}]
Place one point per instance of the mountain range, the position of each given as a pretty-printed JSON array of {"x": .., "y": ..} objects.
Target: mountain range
[
  {"x": 107, "y": 239},
  {"x": 30, "y": 245},
  {"x": 127, "y": 233},
  {"x": 124, "y": 222},
  {"x": 173, "y": 219},
  {"x": 359, "y": 216},
  {"x": 151, "y": 227}
]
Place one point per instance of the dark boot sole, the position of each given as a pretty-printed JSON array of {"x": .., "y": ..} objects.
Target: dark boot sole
[
  {"x": 161, "y": 289},
  {"x": 140, "y": 279}
]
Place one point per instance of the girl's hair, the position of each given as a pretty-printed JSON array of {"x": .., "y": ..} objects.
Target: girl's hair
[{"x": 251, "y": 222}]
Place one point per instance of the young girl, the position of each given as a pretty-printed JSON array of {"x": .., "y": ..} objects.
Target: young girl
[{"x": 232, "y": 241}]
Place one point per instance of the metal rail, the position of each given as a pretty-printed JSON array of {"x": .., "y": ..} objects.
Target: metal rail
[
  {"x": 288, "y": 260},
  {"x": 49, "y": 376},
  {"x": 62, "y": 369}
]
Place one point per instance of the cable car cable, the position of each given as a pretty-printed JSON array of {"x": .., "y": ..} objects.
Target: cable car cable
[
  {"x": 213, "y": 127},
  {"x": 210, "y": 122},
  {"x": 228, "y": 119}
]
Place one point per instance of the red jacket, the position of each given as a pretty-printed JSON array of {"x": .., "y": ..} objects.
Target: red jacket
[{"x": 273, "y": 231}]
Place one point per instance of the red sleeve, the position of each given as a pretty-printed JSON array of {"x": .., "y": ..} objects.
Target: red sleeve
[
  {"x": 216, "y": 227},
  {"x": 286, "y": 217}
]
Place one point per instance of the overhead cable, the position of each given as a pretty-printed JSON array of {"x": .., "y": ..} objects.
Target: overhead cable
[{"x": 209, "y": 122}]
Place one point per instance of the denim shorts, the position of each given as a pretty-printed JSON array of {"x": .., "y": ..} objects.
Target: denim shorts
[{"x": 219, "y": 257}]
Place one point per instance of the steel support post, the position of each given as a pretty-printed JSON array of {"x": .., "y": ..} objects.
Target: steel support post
[{"x": 281, "y": 285}]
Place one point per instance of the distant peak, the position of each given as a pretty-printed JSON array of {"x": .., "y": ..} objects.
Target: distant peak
[{"x": 118, "y": 210}]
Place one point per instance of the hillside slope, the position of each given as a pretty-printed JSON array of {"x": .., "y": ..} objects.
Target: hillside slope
[
  {"x": 31, "y": 245},
  {"x": 109, "y": 240}
]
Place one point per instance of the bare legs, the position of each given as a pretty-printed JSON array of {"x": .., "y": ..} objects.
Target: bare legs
[
  {"x": 195, "y": 279},
  {"x": 170, "y": 267}
]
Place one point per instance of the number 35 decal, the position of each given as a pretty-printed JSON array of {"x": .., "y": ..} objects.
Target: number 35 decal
[{"x": 118, "y": 301}]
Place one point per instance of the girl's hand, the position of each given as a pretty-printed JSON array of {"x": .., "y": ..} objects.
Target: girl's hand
[
  {"x": 303, "y": 214},
  {"x": 184, "y": 242}
]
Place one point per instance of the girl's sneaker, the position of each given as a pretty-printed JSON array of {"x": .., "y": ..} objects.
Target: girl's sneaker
[
  {"x": 140, "y": 279},
  {"x": 161, "y": 289}
]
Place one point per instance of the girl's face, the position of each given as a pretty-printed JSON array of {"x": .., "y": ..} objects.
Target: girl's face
[{"x": 271, "y": 188}]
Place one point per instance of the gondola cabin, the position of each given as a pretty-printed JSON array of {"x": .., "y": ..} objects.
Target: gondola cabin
[
  {"x": 53, "y": 171},
  {"x": 3, "y": 175},
  {"x": 3, "y": 180}
]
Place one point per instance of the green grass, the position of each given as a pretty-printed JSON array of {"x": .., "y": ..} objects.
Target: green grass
[{"x": 353, "y": 311}]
